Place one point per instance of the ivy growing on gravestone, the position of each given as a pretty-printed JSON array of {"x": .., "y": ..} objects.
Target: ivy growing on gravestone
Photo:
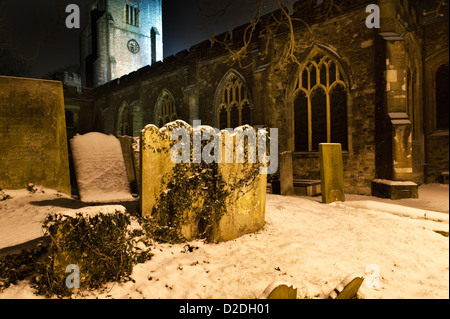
[{"x": 184, "y": 185}]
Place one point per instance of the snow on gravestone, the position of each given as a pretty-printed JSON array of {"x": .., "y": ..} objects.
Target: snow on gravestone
[
  {"x": 245, "y": 203},
  {"x": 100, "y": 168}
]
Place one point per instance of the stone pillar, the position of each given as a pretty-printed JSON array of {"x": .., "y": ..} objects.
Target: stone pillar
[
  {"x": 286, "y": 174},
  {"x": 398, "y": 159},
  {"x": 191, "y": 99},
  {"x": 401, "y": 147}
]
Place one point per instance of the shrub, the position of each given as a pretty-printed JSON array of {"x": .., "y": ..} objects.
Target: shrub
[{"x": 103, "y": 247}]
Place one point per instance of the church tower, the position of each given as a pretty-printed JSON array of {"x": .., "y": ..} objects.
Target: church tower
[{"x": 120, "y": 36}]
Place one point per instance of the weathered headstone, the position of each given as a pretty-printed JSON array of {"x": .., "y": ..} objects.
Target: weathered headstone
[
  {"x": 33, "y": 143},
  {"x": 347, "y": 288},
  {"x": 279, "y": 290},
  {"x": 100, "y": 168},
  {"x": 135, "y": 146},
  {"x": 246, "y": 204},
  {"x": 331, "y": 172},
  {"x": 286, "y": 175},
  {"x": 244, "y": 201},
  {"x": 155, "y": 163},
  {"x": 127, "y": 151}
]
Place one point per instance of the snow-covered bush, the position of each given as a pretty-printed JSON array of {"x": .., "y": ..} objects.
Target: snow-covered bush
[{"x": 102, "y": 246}]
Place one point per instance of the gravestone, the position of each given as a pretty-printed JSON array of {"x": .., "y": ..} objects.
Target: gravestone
[
  {"x": 135, "y": 146},
  {"x": 33, "y": 142},
  {"x": 331, "y": 172},
  {"x": 243, "y": 196},
  {"x": 100, "y": 168},
  {"x": 279, "y": 290},
  {"x": 347, "y": 288},
  {"x": 127, "y": 152},
  {"x": 286, "y": 175}
]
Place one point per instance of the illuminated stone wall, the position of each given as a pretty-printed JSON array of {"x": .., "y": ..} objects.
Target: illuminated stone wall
[{"x": 368, "y": 62}]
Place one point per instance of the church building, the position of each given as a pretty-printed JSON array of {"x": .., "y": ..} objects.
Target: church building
[{"x": 382, "y": 93}]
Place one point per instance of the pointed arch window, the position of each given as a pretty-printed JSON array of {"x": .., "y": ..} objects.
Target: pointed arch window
[
  {"x": 320, "y": 105},
  {"x": 165, "y": 109},
  {"x": 234, "y": 107}
]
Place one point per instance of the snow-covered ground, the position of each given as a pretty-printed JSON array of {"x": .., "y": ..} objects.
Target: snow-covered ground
[{"x": 304, "y": 242}]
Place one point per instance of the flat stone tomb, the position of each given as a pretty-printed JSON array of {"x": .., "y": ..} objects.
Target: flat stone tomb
[{"x": 100, "y": 168}]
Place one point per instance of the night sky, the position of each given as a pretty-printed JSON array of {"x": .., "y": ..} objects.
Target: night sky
[{"x": 35, "y": 29}]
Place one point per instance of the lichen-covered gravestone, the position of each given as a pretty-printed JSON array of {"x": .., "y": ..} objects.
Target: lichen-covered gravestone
[
  {"x": 331, "y": 172},
  {"x": 100, "y": 168},
  {"x": 279, "y": 290},
  {"x": 33, "y": 143},
  {"x": 194, "y": 199}
]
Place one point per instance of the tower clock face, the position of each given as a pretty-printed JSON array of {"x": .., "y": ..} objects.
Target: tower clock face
[{"x": 133, "y": 46}]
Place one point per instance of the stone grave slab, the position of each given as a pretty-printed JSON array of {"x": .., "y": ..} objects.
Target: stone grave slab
[
  {"x": 331, "y": 172},
  {"x": 100, "y": 168},
  {"x": 33, "y": 142}
]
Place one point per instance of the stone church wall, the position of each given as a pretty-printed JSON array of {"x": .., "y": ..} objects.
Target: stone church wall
[{"x": 193, "y": 77}]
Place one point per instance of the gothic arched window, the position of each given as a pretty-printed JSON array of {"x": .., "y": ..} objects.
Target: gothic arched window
[
  {"x": 234, "y": 106},
  {"x": 165, "y": 109},
  {"x": 320, "y": 105}
]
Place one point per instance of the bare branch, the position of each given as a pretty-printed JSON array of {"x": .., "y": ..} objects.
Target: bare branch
[{"x": 437, "y": 11}]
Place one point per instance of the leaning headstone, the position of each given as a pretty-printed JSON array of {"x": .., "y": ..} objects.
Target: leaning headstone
[
  {"x": 331, "y": 172},
  {"x": 100, "y": 168},
  {"x": 279, "y": 290},
  {"x": 127, "y": 152},
  {"x": 33, "y": 143},
  {"x": 347, "y": 288}
]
